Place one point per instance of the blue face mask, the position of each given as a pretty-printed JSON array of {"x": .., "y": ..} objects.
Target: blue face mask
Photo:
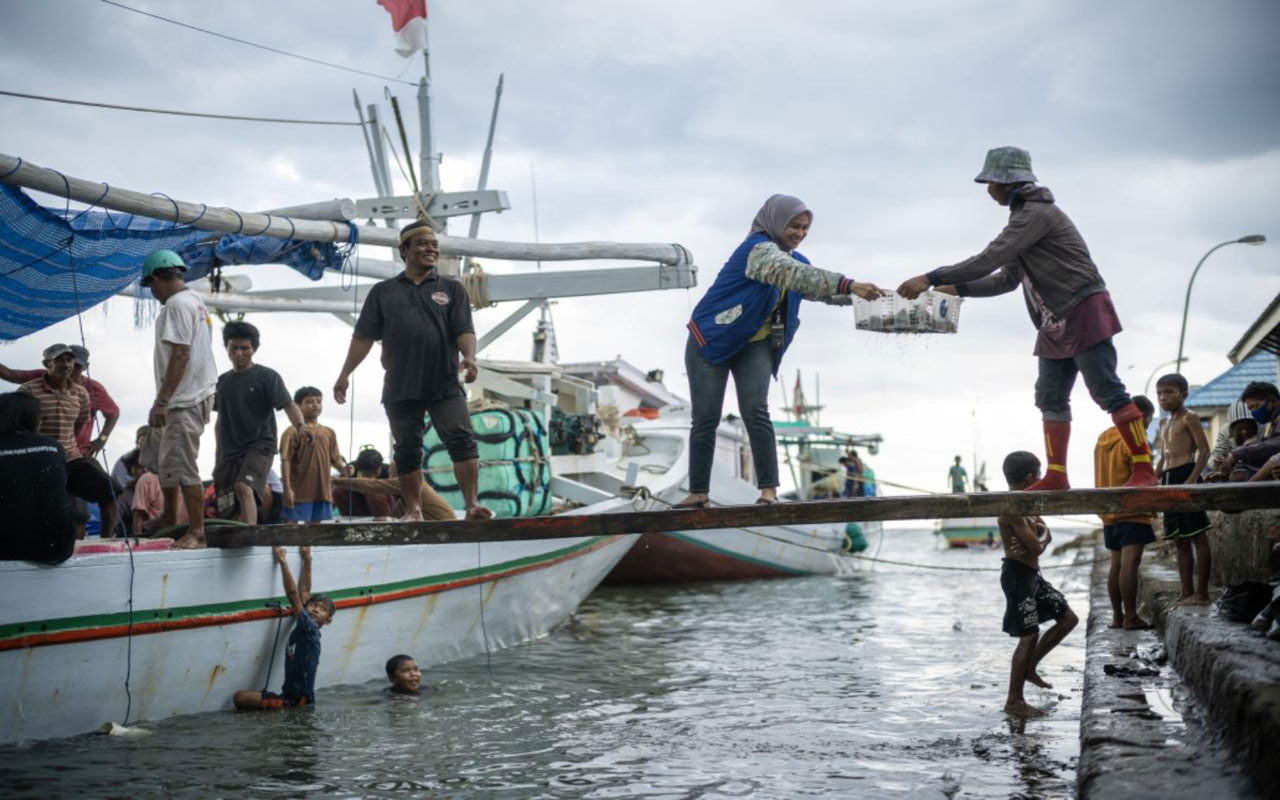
[{"x": 1262, "y": 413}]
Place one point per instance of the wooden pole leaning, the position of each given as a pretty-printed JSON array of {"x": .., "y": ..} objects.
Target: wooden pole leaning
[
  {"x": 19, "y": 172},
  {"x": 1221, "y": 497}
]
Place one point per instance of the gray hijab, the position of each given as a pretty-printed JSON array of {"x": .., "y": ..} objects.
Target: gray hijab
[{"x": 777, "y": 211}]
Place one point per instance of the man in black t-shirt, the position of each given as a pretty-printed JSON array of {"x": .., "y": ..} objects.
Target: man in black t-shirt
[
  {"x": 423, "y": 320},
  {"x": 34, "y": 503},
  {"x": 246, "y": 401}
]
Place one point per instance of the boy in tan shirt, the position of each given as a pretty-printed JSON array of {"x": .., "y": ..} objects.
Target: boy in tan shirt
[
  {"x": 1184, "y": 450},
  {"x": 304, "y": 465}
]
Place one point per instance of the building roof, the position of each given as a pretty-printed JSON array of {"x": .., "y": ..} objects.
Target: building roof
[
  {"x": 1263, "y": 334},
  {"x": 1225, "y": 389}
]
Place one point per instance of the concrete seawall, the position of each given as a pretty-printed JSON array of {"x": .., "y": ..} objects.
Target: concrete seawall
[{"x": 1192, "y": 708}]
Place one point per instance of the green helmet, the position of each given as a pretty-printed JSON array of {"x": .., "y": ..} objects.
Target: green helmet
[{"x": 160, "y": 259}]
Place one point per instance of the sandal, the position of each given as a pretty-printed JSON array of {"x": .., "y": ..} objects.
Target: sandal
[{"x": 695, "y": 504}]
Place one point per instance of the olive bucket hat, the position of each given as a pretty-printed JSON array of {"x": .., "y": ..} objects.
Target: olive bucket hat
[
  {"x": 158, "y": 260},
  {"x": 1006, "y": 165}
]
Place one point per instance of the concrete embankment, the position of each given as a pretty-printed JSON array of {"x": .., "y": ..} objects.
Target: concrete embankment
[{"x": 1190, "y": 709}]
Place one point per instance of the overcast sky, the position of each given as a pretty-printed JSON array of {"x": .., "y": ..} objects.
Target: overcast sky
[{"x": 1154, "y": 123}]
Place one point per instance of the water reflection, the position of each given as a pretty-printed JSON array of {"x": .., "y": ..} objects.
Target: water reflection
[{"x": 884, "y": 684}]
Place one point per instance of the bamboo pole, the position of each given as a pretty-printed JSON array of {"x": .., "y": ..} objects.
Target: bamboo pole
[
  {"x": 19, "y": 172},
  {"x": 1222, "y": 497}
]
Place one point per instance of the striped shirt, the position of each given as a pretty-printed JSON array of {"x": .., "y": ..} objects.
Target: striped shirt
[{"x": 62, "y": 412}]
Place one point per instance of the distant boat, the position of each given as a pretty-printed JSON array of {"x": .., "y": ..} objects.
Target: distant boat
[{"x": 970, "y": 531}]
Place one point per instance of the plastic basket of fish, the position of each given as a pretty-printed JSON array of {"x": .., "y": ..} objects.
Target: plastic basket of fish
[{"x": 931, "y": 312}]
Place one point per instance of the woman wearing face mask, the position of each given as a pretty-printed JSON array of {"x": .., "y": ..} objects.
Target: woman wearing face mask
[{"x": 743, "y": 326}]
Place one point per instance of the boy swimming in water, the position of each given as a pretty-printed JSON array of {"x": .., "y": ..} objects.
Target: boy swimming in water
[
  {"x": 302, "y": 655},
  {"x": 1029, "y": 598},
  {"x": 404, "y": 674}
]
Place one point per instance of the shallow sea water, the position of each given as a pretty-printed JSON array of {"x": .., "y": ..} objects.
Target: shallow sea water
[{"x": 886, "y": 683}]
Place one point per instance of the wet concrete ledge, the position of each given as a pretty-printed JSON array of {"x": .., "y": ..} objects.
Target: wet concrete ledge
[{"x": 1128, "y": 748}]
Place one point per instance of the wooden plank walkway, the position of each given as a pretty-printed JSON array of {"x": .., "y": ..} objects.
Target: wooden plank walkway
[{"x": 1221, "y": 497}]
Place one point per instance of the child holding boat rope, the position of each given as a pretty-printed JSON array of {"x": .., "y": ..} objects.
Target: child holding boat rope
[{"x": 302, "y": 654}]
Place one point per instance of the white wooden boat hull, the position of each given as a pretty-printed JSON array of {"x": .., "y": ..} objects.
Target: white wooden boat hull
[{"x": 202, "y": 627}]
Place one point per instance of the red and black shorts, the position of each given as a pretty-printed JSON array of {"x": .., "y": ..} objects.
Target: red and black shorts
[{"x": 273, "y": 700}]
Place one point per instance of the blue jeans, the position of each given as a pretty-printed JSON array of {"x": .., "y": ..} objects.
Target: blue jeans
[
  {"x": 751, "y": 367},
  {"x": 1058, "y": 376}
]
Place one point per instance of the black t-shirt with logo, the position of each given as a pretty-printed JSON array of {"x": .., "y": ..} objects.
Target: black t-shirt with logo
[
  {"x": 34, "y": 503},
  {"x": 246, "y": 403},
  {"x": 419, "y": 326}
]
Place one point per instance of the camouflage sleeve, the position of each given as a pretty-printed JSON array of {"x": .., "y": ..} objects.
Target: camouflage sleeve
[{"x": 768, "y": 264}]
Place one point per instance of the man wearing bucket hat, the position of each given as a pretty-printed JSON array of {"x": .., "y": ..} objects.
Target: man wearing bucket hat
[
  {"x": 186, "y": 379},
  {"x": 1041, "y": 251}
]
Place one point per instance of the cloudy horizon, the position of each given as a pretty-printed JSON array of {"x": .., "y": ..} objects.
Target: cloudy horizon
[{"x": 1153, "y": 123}]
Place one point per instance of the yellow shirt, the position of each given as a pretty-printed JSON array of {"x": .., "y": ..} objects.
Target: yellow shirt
[
  {"x": 763, "y": 333},
  {"x": 1112, "y": 466}
]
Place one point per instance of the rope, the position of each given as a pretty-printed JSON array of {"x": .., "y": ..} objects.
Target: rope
[
  {"x": 173, "y": 112},
  {"x": 963, "y": 569},
  {"x": 269, "y": 49},
  {"x": 275, "y": 642},
  {"x": 417, "y": 199},
  {"x": 476, "y": 282}
]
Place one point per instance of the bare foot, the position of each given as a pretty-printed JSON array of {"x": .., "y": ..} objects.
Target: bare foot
[
  {"x": 191, "y": 540},
  {"x": 479, "y": 512},
  {"x": 1136, "y": 624},
  {"x": 1184, "y": 600},
  {"x": 1116, "y": 622},
  {"x": 411, "y": 516},
  {"x": 1022, "y": 710},
  {"x": 1199, "y": 600},
  {"x": 1034, "y": 677}
]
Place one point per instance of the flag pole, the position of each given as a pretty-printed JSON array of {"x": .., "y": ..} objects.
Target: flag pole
[{"x": 427, "y": 159}]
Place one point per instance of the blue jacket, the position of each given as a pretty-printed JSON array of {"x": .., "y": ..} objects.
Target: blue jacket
[{"x": 735, "y": 307}]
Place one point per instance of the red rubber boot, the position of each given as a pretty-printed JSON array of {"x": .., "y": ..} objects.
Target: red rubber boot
[
  {"x": 1128, "y": 421},
  {"x": 1056, "y": 436}
]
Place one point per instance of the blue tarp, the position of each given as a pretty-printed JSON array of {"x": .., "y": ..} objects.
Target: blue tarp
[{"x": 53, "y": 263}]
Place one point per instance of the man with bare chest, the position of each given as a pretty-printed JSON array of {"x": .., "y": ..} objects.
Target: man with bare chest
[{"x": 1184, "y": 451}]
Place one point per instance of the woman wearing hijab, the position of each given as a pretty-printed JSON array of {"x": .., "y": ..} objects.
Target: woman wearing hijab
[{"x": 742, "y": 326}]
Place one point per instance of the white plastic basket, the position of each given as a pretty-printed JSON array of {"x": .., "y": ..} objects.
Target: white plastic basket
[{"x": 931, "y": 312}]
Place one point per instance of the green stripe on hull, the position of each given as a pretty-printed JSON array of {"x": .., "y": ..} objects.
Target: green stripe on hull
[
  {"x": 220, "y": 609},
  {"x": 739, "y": 556}
]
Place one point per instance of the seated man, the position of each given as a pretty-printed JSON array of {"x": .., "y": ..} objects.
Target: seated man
[
  {"x": 147, "y": 506},
  {"x": 64, "y": 408},
  {"x": 352, "y": 502},
  {"x": 33, "y": 486}
]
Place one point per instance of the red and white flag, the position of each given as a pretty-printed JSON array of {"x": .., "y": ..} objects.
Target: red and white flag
[
  {"x": 797, "y": 398},
  {"x": 409, "y": 21}
]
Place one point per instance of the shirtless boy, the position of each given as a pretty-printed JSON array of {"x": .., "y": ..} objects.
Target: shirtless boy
[
  {"x": 1184, "y": 450},
  {"x": 1029, "y": 599}
]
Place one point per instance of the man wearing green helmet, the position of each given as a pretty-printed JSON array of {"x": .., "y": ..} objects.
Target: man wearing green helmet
[{"x": 185, "y": 382}]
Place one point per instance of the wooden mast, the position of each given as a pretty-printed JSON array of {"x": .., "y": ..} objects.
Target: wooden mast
[{"x": 19, "y": 172}]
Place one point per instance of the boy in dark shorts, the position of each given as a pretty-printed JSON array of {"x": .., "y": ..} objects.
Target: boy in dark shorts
[
  {"x": 302, "y": 654},
  {"x": 1184, "y": 451},
  {"x": 1124, "y": 535},
  {"x": 1029, "y": 599},
  {"x": 404, "y": 674},
  {"x": 246, "y": 399}
]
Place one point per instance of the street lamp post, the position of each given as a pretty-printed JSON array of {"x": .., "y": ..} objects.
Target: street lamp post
[
  {"x": 1254, "y": 239},
  {"x": 1146, "y": 390}
]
